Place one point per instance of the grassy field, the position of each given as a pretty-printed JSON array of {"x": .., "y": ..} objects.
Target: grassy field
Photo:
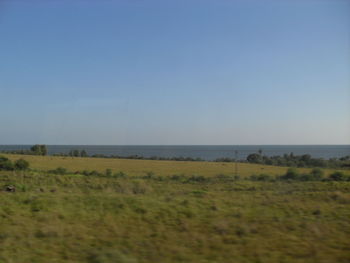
[
  {"x": 95, "y": 219},
  {"x": 161, "y": 168}
]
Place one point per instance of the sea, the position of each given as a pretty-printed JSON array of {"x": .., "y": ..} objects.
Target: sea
[{"x": 205, "y": 152}]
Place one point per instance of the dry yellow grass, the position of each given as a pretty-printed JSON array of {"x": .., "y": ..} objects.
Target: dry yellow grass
[{"x": 140, "y": 167}]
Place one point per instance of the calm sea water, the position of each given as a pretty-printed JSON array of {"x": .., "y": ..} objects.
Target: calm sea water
[{"x": 202, "y": 151}]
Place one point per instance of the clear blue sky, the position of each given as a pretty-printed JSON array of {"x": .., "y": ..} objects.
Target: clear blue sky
[{"x": 175, "y": 72}]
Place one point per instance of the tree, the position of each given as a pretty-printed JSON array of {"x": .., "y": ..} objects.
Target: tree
[
  {"x": 39, "y": 149},
  {"x": 254, "y": 158},
  {"x": 21, "y": 164},
  {"x": 83, "y": 153},
  {"x": 306, "y": 158},
  {"x": 43, "y": 149}
]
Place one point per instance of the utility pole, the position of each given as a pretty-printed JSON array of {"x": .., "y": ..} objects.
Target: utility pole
[{"x": 236, "y": 163}]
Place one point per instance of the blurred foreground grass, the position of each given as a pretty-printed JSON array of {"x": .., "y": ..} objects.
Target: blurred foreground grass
[{"x": 76, "y": 218}]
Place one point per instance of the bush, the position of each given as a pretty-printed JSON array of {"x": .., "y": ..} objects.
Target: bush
[
  {"x": 177, "y": 177},
  {"x": 317, "y": 173},
  {"x": 264, "y": 177},
  {"x": 120, "y": 175},
  {"x": 6, "y": 164},
  {"x": 337, "y": 176},
  {"x": 149, "y": 175},
  {"x": 109, "y": 173},
  {"x": 307, "y": 177},
  {"x": 21, "y": 164},
  {"x": 291, "y": 174},
  {"x": 94, "y": 173}
]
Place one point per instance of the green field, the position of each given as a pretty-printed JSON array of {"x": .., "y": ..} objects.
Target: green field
[
  {"x": 151, "y": 218},
  {"x": 161, "y": 168}
]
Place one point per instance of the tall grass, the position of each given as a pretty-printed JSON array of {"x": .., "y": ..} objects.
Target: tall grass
[{"x": 175, "y": 218}]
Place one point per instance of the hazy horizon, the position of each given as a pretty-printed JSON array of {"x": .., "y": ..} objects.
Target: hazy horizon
[{"x": 175, "y": 72}]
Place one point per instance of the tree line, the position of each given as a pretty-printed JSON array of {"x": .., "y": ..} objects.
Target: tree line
[{"x": 304, "y": 160}]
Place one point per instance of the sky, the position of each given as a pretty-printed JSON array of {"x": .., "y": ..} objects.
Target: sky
[{"x": 211, "y": 72}]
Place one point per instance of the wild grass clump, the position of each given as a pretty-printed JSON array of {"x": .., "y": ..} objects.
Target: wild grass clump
[
  {"x": 59, "y": 171},
  {"x": 226, "y": 178},
  {"x": 120, "y": 175},
  {"x": 197, "y": 179},
  {"x": 262, "y": 177}
]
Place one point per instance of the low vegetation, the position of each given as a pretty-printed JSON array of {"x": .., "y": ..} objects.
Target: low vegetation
[
  {"x": 304, "y": 160},
  {"x": 109, "y": 213},
  {"x": 37, "y": 149},
  {"x": 288, "y": 160},
  {"x": 8, "y": 165}
]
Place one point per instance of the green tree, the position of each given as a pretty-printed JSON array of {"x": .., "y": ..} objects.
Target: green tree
[
  {"x": 83, "y": 153},
  {"x": 39, "y": 149},
  {"x": 43, "y": 149},
  {"x": 254, "y": 158}
]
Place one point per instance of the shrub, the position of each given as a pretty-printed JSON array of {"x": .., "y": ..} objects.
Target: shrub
[
  {"x": 6, "y": 164},
  {"x": 177, "y": 177},
  {"x": 21, "y": 164},
  {"x": 94, "y": 173},
  {"x": 307, "y": 177},
  {"x": 120, "y": 175},
  {"x": 264, "y": 177},
  {"x": 109, "y": 173},
  {"x": 253, "y": 177},
  {"x": 337, "y": 176},
  {"x": 197, "y": 178},
  {"x": 85, "y": 172},
  {"x": 149, "y": 175},
  {"x": 291, "y": 174},
  {"x": 317, "y": 173}
]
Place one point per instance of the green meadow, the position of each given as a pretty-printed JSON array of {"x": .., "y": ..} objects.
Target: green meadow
[
  {"x": 163, "y": 211},
  {"x": 161, "y": 168}
]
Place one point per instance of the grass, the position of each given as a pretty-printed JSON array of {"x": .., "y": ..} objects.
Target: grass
[
  {"x": 161, "y": 168},
  {"x": 94, "y": 219}
]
